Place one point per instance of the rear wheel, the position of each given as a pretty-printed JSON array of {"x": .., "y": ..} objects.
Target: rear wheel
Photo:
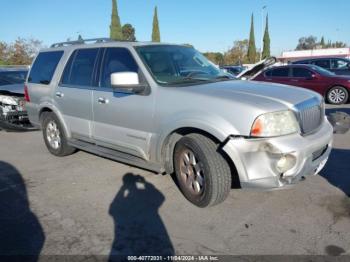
[
  {"x": 54, "y": 136},
  {"x": 337, "y": 95},
  {"x": 203, "y": 175}
]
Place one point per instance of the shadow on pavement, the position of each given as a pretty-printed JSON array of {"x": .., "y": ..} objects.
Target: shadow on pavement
[
  {"x": 138, "y": 228},
  {"x": 337, "y": 109},
  {"x": 337, "y": 170},
  {"x": 20, "y": 230}
]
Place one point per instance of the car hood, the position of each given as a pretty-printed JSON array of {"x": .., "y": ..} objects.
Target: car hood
[
  {"x": 257, "y": 68},
  {"x": 15, "y": 88},
  {"x": 257, "y": 93}
]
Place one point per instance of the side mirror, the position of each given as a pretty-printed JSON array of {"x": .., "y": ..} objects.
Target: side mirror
[{"x": 126, "y": 82}]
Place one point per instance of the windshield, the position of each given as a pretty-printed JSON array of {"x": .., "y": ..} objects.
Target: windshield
[
  {"x": 173, "y": 65},
  {"x": 322, "y": 71}
]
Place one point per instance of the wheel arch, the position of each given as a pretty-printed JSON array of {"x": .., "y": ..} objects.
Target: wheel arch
[
  {"x": 51, "y": 109},
  {"x": 168, "y": 146}
]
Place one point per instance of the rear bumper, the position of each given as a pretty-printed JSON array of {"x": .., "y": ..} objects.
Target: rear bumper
[{"x": 256, "y": 159}]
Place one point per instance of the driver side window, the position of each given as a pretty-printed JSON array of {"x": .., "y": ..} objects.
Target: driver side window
[{"x": 116, "y": 60}]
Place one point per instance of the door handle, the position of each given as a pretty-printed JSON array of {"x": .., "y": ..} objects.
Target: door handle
[
  {"x": 294, "y": 80},
  {"x": 59, "y": 94},
  {"x": 102, "y": 100}
]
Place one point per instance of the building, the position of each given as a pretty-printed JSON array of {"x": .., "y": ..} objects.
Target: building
[{"x": 290, "y": 56}]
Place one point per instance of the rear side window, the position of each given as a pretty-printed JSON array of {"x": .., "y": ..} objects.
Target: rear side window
[
  {"x": 280, "y": 72},
  {"x": 80, "y": 67},
  {"x": 322, "y": 63},
  {"x": 301, "y": 72},
  {"x": 44, "y": 67}
]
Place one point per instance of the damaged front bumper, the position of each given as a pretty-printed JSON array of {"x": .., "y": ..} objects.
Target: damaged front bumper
[
  {"x": 13, "y": 116},
  {"x": 272, "y": 163}
]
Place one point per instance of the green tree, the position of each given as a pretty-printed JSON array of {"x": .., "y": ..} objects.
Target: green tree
[
  {"x": 215, "y": 57},
  {"x": 115, "y": 27},
  {"x": 251, "y": 47},
  {"x": 322, "y": 42},
  {"x": 128, "y": 32},
  {"x": 266, "y": 49},
  {"x": 237, "y": 54},
  {"x": 155, "y": 31},
  {"x": 307, "y": 43}
]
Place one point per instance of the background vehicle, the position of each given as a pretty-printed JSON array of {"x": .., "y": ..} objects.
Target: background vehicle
[
  {"x": 13, "y": 116},
  {"x": 234, "y": 70},
  {"x": 333, "y": 87},
  {"x": 168, "y": 109},
  {"x": 339, "y": 66}
]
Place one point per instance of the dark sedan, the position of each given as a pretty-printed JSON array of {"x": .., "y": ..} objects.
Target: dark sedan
[
  {"x": 339, "y": 66},
  {"x": 333, "y": 87}
]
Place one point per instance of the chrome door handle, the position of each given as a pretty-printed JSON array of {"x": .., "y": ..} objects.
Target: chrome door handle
[
  {"x": 59, "y": 94},
  {"x": 102, "y": 100}
]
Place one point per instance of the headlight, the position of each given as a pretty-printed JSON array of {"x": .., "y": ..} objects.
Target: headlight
[
  {"x": 8, "y": 100},
  {"x": 275, "y": 124}
]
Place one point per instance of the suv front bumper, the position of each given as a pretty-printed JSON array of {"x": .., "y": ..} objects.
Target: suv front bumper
[{"x": 256, "y": 159}]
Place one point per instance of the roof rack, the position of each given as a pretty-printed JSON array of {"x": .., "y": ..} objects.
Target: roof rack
[{"x": 82, "y": 41}]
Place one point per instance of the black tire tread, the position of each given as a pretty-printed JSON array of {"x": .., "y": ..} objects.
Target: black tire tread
[
  {"x": 65, "y": 149},
  {"x": 220, "y": 171}
]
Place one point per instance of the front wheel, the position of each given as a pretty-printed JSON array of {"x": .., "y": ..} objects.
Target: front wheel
[
  {"x": 203, "y": 175},
  {"x": 337, "y": 95}
]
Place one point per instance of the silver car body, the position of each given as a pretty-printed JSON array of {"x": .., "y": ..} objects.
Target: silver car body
[{"x": 146, "y": 127}]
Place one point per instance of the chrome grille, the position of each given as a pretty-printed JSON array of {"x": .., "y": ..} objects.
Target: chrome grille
[{"x": 310, "y": 115}]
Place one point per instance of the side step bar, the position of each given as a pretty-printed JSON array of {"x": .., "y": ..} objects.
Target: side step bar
[{"x": 116, "y": 155}]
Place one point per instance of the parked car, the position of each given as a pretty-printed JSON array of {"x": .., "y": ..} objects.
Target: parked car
[
  {"x": 234, "y": 70},
  {"x": 13, "y": 116},
  {"x": 333, "y": 87},
  {"x": 137, "y": 103},
  {"x": 339, "y": 66}
]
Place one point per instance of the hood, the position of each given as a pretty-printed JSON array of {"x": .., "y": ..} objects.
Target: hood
[
  {"x": 251, "y": 72},
  {"x": 264, "y": 95},
  {"x": 15, "y": 88}
]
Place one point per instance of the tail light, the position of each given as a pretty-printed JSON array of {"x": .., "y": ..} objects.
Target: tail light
[{"x": 26, "y": 95}]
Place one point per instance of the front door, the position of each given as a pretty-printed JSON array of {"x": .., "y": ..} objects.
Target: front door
[{"x": 122, "y": 122}]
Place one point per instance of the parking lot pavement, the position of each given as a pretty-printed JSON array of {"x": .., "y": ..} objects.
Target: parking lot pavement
[{"x": 78, "y": 205}]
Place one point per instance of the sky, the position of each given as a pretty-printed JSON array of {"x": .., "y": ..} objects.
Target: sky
[{"x": 209, "y": 25}]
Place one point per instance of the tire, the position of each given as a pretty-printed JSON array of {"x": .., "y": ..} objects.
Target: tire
[
  {"x": 202, "y": 173},
  {"x": 338, "y": 95},
  {"x": 54, "y": 136}
]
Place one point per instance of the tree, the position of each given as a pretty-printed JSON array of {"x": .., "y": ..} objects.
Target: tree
[
  {"x": 115, "y": 27},
  {"x": 80, "y": 38},
  {"x": 322, "y": 43},
  {"x": 215, "y": 57},
  {"x": 23, "y": 51},
  {"x": 128, "y": 32},
  {"x": 3, "y": 53},
  {"x": 307, "y": 43},
  {"x": 266, "y": 50},
  {"x": 251, "y": 47},
  {"x": 237, "y": 54},
  {"x": 155, "y": 31}
]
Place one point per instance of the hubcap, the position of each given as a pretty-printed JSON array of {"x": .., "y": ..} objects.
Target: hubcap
[
  {"x": 191, "y": 172},
  {"x": 53, "y": 135},
  {"x": 337, "y": 95}
]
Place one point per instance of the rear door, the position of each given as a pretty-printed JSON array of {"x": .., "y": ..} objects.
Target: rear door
[
  {"x": 74, "y": 94},
  {"x": 278, "y": 75}
]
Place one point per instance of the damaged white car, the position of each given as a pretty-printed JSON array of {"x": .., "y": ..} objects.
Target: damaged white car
[{"x": 13, "y": 116}]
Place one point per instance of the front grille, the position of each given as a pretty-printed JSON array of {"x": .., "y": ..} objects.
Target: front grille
[{"x": 310, "y": 115}]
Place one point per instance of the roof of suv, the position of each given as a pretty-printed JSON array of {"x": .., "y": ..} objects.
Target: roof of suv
[{"x": 98, "y": 42}]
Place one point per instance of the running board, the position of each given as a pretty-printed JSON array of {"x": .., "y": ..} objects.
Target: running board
[{"x": 116, "y": 155}]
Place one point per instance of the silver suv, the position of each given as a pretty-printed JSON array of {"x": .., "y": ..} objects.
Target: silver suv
[{"x": 166, "y": 108}]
